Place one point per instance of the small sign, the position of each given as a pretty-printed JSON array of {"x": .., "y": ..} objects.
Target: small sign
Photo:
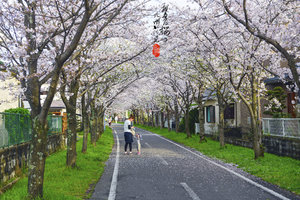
[
  {"x": 161, "y": 29},
  {"x": 156, "y": 50}
]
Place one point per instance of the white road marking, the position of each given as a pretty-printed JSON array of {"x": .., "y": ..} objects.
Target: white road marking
[
  {"x": 192, "y": 194},
  {"x": 148, "y": 145},
  {"x": 113, "y": 186},
  {"x": 161, "y": 158},
  {"x": 229, "y": 170}
]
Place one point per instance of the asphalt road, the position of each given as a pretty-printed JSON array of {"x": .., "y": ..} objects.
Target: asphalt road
[{"x": 168, "y": 171}]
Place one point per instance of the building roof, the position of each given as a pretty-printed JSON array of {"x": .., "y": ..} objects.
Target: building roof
[
  {"x": 57, "y": 104},
  {"x": 209, "y": 94},
  {"x": 273, "y": 80}
]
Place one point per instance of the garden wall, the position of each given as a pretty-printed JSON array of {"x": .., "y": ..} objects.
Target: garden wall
[
  {"x": 281, "y": 146},
  {"x": 15, "y": 158}
]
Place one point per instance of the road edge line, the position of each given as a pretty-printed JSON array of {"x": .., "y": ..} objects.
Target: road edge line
[
  {"x": 114, "y": 181},
  {"x": 231, "y": 171},
  {"x": 189, "y": 190}
]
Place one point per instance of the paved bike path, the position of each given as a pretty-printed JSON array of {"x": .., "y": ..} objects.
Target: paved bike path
[{"x": 166, "y": 170}]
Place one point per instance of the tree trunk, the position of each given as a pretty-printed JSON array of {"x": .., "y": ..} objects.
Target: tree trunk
[
  {"x": 187, "y": 122},
  {"x": 85, "y": 134},
  {"x": 161, "y": 119},
  {"x": 85, "y": 121},
  {"x": 149, "y": 122},
  {"x": 152, "y": 119},
  {"x": 71, "y": 105},
  {"x": 176, "y": 116},
  {"x": 82, "y": 118},
  {"x": 168, "y": 118},
  {"x": 96, "y": 126},
  {"x": 137, "y": 117},
  {"x": 142, "y": 117},
  {"x": 157, "y": 119},
  {"x": 93, "y": 126},
  {"x": 255, "y": 122},
  {"x": 201, "y": 119},
  {"x": 37, "y": 158},
  {"x": 257, "y": 139},
  {"x": 71, "y": 137},
  {"x": 221, "y": 118},
  {"x": 101, "y": 123},
  {"x": 221, "y": 126}
]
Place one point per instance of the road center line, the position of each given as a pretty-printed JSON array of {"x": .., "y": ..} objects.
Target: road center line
[
  {"x": 113, "y": 186},
  {"x": 161, "y": 158},
  {"x": 192, "y": 194},
  {"x": 229, "y": 170},
  {"x": 148, "y": 145}
]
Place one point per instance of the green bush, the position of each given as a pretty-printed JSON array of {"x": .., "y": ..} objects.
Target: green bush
[
  {"x": 193, "y": 119},
  {"x": 277, "y": 104},
  {"x": 21, "y": 111},
  {"x": 181, "y": 127},
  {"x": 18, "y": 125}
]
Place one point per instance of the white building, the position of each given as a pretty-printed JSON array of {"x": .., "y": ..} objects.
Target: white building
[{"x": 9, "y": 97}]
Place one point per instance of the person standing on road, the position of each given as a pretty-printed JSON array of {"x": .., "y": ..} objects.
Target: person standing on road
[
  {"x": 116, "y": 119},
  {"x": 109, "y": 122},
  {"x": 128, "y": 134},
  {"x": 138, "y": 137}
]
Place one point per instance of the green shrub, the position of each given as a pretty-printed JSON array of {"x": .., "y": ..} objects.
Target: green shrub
[
  {"x": 181, "y": 127},
  {"x": 194, "y": 118},
  {"x": 277, "y": 104},
  {"x": 21, "y": 111}
]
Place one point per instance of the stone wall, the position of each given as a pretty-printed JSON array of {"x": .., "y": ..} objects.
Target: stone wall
[
  {"x": 281, "y": 146},
  {"x": 13, "y": 159}
]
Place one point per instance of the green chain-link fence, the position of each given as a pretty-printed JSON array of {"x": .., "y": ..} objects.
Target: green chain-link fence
[
  {"x": 54, "y": 124},
  {"x": 16, "y": 128}
]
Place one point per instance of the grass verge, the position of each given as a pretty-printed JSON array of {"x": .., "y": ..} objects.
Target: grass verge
[
  {"x": 64, "y": 183},
  {"x": 281, "y": 171}
]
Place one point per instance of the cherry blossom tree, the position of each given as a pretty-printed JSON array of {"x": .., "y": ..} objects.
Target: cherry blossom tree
[
  {"x": 273, "y": 22},
  {"x": 98, "y": 63},
  {"x": 37, "y": 38},
  {"x": 243, "y": 55},
  {"x": 209, "y": 74}
]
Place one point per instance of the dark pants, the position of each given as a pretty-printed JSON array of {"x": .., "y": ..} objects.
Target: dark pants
[
  {"x": 128, "y": 140},
  {"x": 130, "y": 146}
]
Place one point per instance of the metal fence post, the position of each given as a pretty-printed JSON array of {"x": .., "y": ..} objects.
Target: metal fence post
[
  {"x": 8, "y": 139},
  {"x": 19, "y": 129},
  {"x": 298, "y": 128},
  {"x": 269, "y": 130},
  {"x": 104, "y": 125},
  {"x": 263, "y": 126},
  {"x": 283, "y": 131}
]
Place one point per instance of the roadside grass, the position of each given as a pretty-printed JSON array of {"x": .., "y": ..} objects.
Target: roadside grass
[
  {"x": 281, "y": 171},
  {"x": 65, "y": 183}
]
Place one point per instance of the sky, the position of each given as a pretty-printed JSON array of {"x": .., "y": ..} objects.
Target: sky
[{"x": 181, "y": 4}]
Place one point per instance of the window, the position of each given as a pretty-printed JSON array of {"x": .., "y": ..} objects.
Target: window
[
  {"x": 229, "y": 111},
  {"x": 210, "y": 114}
]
